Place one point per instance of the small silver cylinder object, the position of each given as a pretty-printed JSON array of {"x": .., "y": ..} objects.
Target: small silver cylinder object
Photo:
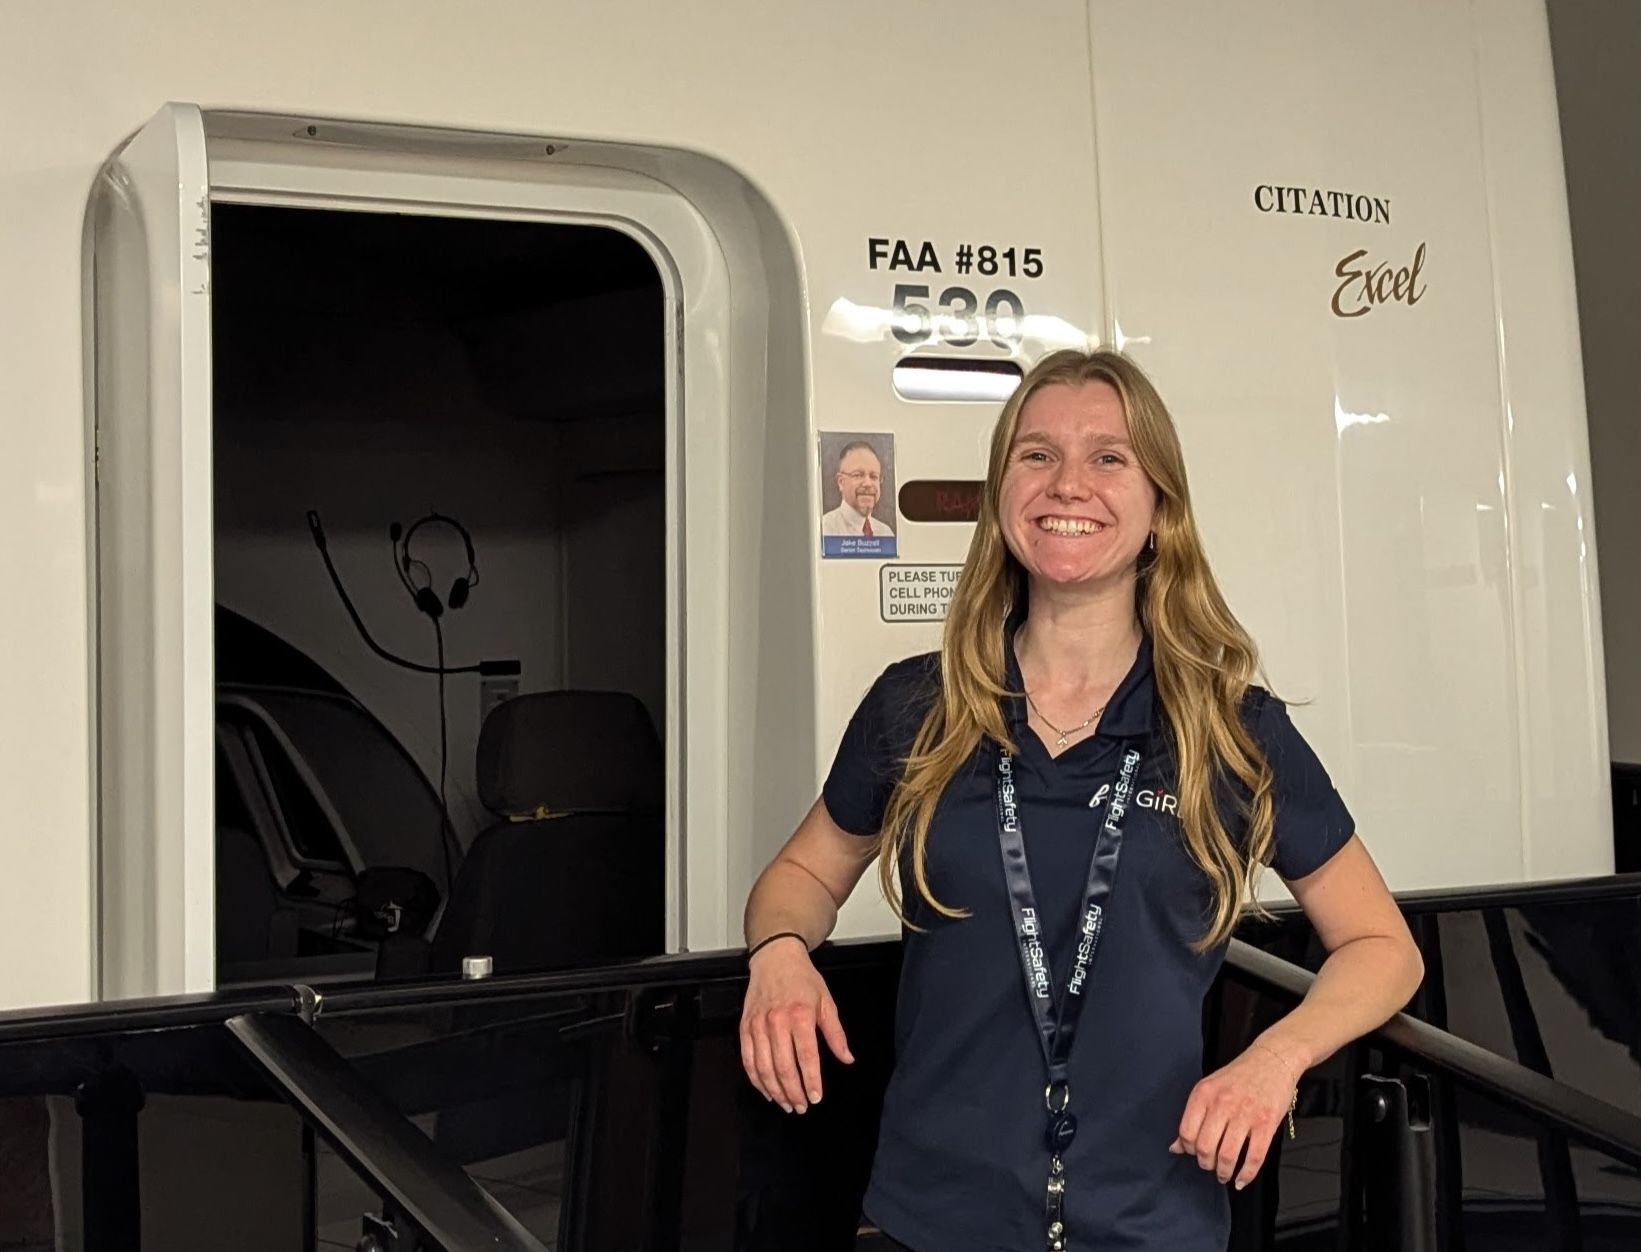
[{"x": 476, "y": 967}]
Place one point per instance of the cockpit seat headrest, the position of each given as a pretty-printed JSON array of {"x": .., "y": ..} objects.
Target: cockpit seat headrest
[{"x": 557, "y": 752}]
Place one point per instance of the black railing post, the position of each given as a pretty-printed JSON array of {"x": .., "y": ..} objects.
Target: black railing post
[
  {"x": 667, "y": 1029},
  {"x": 111, "y": 1190},
  {"x": 1352, "y": 1143},
  {"x": 1555, "y": 1160},
  {"x": 1395, "y": 1169}
]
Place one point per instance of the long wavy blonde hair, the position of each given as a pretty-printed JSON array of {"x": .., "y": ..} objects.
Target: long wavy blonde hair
[{"x": 1203, "y": 659}]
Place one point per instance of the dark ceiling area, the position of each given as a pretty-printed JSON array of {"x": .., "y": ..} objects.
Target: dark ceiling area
[
  {"x": 548, "y": 321},
  {"x": 450, "y": 268}
]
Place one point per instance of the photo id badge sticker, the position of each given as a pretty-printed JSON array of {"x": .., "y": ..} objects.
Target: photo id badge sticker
[{"x": 857, "y": 475}]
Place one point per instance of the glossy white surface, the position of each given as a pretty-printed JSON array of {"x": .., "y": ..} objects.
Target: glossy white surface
[
  {"x": 1364, "y": 496},
  {"x": 156, "y": 843},
  {"x": 1393, "y": 498},
  {"x": 763, "y": 640},
  {"x": 1566, "y": 784}
]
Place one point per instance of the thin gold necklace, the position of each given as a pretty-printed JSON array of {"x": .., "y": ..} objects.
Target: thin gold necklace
[{"x": 1061, "y": 741}]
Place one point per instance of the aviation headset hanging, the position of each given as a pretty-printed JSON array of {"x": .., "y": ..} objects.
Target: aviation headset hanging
[
  {"x": 427, "y": 601},
  {"x": 423, "y": 595},
  {"x": 395, "y": 532}
]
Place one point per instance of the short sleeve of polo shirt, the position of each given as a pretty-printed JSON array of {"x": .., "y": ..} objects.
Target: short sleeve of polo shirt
[
  {"x": 872, "y": 752},
  {"x": 1312, "y": 822}
]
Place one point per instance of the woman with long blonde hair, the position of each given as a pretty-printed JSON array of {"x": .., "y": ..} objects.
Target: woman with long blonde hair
[{"x": 1070, "y": 803}]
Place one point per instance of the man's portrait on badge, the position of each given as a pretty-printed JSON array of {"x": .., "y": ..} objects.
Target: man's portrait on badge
[{"x": 857, "y": 494}]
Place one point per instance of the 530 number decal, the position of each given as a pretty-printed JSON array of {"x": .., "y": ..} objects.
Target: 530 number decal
[{"x": 956, "y": 316}]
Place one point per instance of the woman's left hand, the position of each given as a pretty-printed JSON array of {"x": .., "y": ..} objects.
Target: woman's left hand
[{"x": 1240, "y": 1104}]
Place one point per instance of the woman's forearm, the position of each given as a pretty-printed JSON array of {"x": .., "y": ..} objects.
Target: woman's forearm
[
  {"x": 788, "y": 897},
  {"x": 1360, "y": 986}
]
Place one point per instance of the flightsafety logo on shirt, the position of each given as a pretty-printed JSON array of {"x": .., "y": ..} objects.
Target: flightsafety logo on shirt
[{"x": 1162, "y": 801}]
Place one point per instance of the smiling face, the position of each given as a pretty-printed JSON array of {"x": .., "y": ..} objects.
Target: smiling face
[
  {"x": 1075, "y": 506},
  {"x": 860, "y": 479}
]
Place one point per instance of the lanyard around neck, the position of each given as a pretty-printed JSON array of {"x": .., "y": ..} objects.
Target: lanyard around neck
[
  {"x": 1056, "y": 1014},
  {"x": 1056, "y": 1017}
]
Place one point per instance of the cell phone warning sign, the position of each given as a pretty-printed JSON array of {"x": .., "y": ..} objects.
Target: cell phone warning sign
[{"x": 917, "y": 593}]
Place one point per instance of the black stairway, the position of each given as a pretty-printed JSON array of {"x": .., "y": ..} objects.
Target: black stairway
[{"x": 604, "y": 1109}]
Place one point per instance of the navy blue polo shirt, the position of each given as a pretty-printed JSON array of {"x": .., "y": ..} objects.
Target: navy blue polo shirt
[{"x": 961, "y": 1164}]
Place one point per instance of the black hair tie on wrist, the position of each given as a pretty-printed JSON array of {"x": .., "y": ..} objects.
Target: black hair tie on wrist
[{"x": 780, "y": 934}]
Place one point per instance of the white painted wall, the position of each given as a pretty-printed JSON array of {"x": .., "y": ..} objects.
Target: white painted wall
[
  {"x": 947, "y": 123},
  {"x": 1595, "y": 44}
]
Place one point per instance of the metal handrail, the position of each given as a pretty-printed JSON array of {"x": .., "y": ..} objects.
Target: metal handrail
[
  {"x": 1581, "y": 1116},
  {"x": 441, "y": 991},
  {"x": 214, "y": 1008},
  {"x": 440, "y": 1197},
  {"x": 1575, "y": 1113}
]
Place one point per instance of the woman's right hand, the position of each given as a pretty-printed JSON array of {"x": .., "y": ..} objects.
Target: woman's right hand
[{"x": 786, "y": 1000}]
